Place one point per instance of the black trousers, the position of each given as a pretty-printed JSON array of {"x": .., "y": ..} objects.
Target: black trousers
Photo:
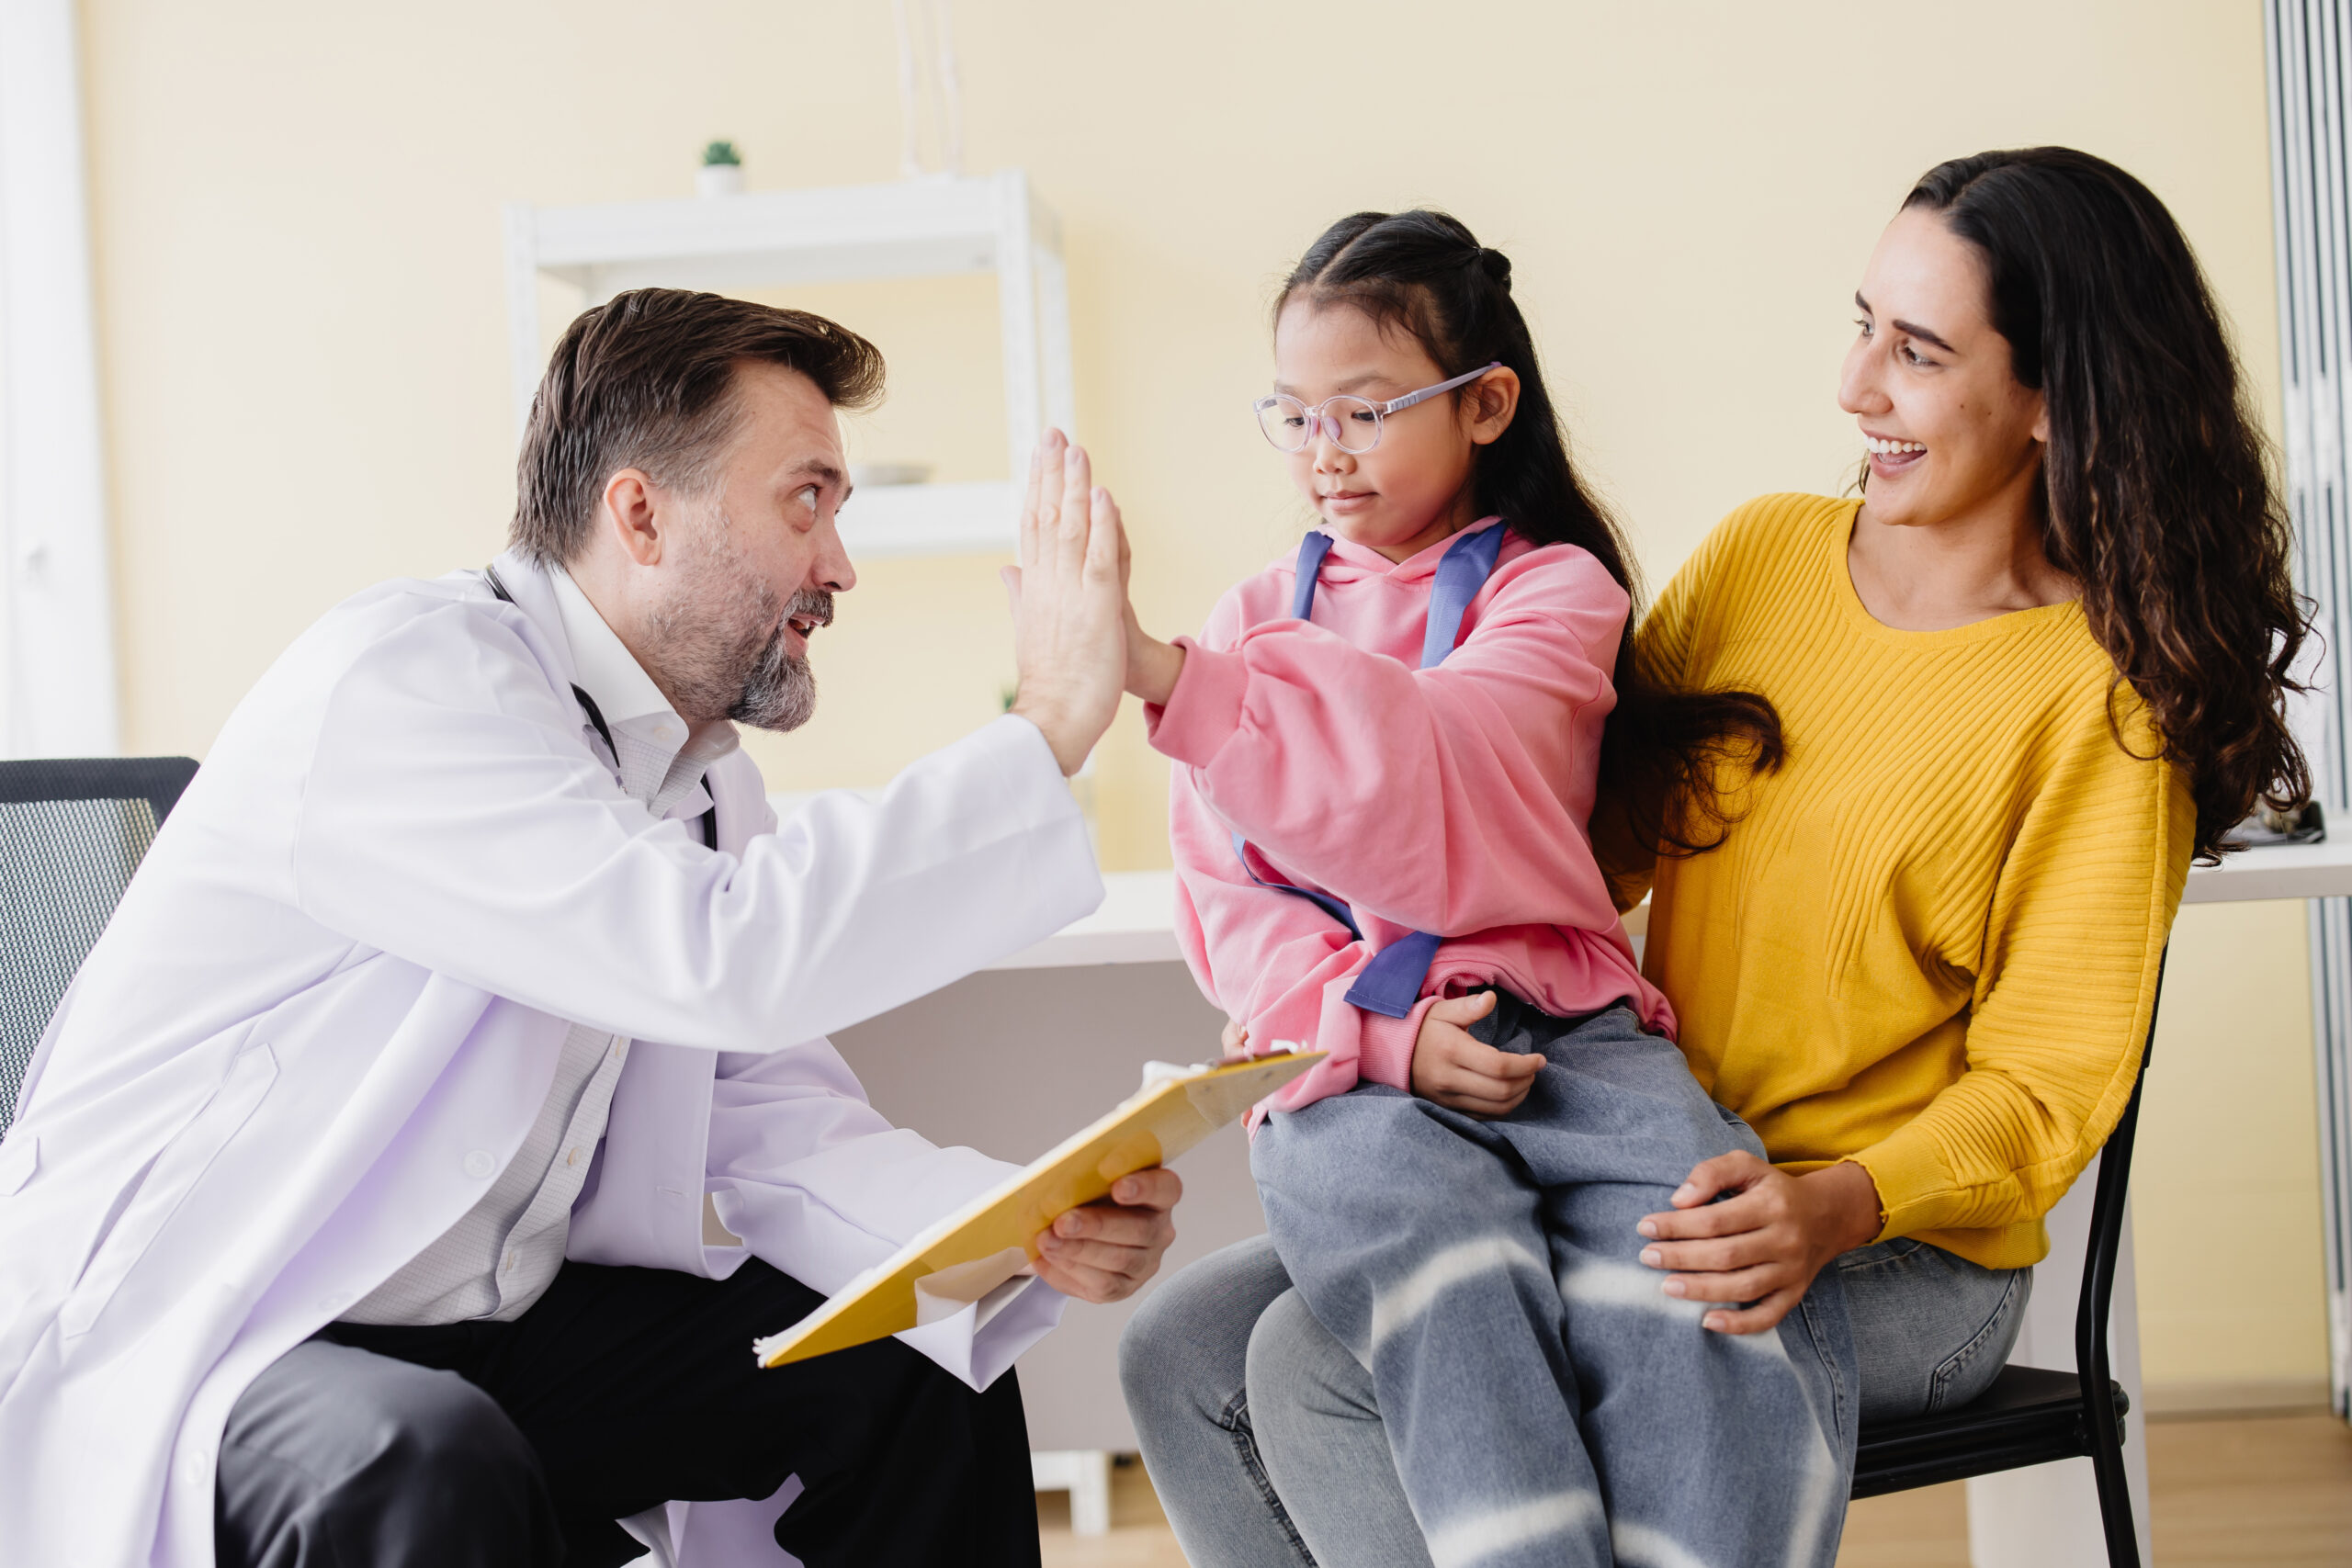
[{"x": 519, "y": 1443}]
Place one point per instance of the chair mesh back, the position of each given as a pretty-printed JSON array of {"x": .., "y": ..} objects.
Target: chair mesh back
[{"x": 64, "y": 862}]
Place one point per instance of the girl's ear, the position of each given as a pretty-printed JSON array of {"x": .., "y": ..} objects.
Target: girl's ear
[{"x": 1491, "y": 403}]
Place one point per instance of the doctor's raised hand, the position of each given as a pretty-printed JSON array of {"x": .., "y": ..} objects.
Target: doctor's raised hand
[
  {"x": 1068, "y": 604},
  {"x": 1069, "y": 640}
]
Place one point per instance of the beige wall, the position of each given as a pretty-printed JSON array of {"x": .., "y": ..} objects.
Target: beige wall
[{"x": 299, "y": 250}]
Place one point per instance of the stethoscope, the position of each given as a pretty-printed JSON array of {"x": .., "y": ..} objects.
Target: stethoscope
[{"x": 596, "y": 716}]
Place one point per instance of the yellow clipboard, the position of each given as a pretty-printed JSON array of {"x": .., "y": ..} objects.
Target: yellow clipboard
[{"x": 1152, "y": 1127}]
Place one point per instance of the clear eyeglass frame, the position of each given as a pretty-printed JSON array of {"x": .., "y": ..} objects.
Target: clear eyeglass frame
[{"x": 1290, "y": 425}]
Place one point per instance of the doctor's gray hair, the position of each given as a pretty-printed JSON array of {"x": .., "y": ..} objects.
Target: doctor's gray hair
[{"x": 646, "y": 380}]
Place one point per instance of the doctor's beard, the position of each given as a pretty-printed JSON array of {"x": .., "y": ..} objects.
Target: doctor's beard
[
  {"x": 779, "y": 691},
  {"x": 722, "y": 634}
]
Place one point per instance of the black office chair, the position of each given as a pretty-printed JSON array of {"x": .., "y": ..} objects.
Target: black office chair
[
  {"x": 71, "y": 832},
  {"x": 2030, "y": 1415}
]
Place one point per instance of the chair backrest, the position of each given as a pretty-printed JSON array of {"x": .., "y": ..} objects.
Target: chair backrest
[
  {"x": 72, "y": 831},
  {"x": 2106, "y": 1222}
]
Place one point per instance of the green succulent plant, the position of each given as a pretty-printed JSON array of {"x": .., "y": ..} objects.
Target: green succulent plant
[{"x": 721, "y": 153}]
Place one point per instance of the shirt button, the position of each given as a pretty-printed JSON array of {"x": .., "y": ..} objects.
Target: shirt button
[
  {"x": 479, "y": 1165},
  {"x": 335, "y": 1302},
  {"x": 574, "y": 1158},
  {"x": 510, "y": 1263}
]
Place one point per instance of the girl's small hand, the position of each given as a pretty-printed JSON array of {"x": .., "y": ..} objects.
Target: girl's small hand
[
  {"x": 1152, "y": 665},
  {"x": 1764, "y": 1245},
  {"x": 1460, "y": 1073},
  {"x": 1237, "y": 1038}
]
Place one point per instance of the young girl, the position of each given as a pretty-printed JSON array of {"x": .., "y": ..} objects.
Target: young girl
[{"x": 1389, "y": 746}]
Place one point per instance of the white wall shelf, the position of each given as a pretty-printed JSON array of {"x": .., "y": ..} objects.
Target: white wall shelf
[
  {"x": 930, "y": 519},
  {"x": 916, "y": 228}
]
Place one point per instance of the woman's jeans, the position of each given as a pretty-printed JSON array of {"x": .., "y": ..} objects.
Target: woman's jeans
[
  {"x": 1524, "y": 1362},
  {"x": 1263, "y": 1434}
]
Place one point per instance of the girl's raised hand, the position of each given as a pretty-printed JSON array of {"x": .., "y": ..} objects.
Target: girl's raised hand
[
  {"x": 1152, "y": 665},
  {"x": 1459, "y": 1072}
]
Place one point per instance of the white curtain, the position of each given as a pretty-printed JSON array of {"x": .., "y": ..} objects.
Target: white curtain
[{"x": 2310, "y": 160}]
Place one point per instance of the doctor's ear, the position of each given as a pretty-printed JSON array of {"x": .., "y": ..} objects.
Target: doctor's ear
[{"x": 633, "y": 512}]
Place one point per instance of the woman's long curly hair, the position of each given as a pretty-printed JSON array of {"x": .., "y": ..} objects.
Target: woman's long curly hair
[
  {"x": 2157, "y": 494},
  {"x": 1665, "y": 755}
]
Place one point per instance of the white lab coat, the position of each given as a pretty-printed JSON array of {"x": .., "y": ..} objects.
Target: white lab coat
[{"x": 331, "y": 1002}]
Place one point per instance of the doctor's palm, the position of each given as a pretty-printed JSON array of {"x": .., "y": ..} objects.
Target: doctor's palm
[{"x": 1068, "y": 606}]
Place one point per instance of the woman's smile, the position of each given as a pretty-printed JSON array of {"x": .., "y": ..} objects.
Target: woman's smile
[{"x": 1891, "y": 456}]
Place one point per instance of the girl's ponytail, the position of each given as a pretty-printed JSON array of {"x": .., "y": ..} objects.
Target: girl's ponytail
[{"x": 1666, "y": 754}]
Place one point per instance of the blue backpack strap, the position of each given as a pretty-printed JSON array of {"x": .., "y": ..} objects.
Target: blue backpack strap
[
  {"x": 1461, "y": 572},
  {"x": 1332, "y": 907},
  {"x": 1391, "y": 984},
  {"x": 1311, "y": 551}
]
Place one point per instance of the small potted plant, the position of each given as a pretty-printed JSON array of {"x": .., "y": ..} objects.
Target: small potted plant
[{"x": 721, "y": 173}]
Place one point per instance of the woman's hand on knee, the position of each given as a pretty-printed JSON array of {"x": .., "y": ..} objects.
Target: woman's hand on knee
[
  {"x": 1105, "y": 1251},
  {"x": 1455, "y": 1070},
  {"x": 1742, "y": 1231}
]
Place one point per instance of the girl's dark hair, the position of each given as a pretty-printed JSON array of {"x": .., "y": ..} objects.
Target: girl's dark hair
[
  {"x": 1665, "y": 754},
  {"x": 2155, "y": 495}
]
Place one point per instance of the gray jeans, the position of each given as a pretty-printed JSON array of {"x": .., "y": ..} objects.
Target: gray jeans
[
  {"x": 1525, "y": 1364},
  {"x": 1263, "y": 1433}
]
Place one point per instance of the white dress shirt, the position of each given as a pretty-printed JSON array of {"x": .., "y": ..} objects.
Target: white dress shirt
[{"x": 505, "y": 1251}]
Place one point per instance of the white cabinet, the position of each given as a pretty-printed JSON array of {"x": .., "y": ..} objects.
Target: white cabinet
[{"x": 916, "y": 228}]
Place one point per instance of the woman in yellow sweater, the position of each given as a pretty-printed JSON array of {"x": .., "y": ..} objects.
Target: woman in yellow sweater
[{"x": 2037, "y": 669}]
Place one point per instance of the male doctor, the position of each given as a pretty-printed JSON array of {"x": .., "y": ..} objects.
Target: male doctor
[{"x": 353, "y": 1210}]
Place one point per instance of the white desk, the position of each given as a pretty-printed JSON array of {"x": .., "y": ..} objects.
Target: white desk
[
  {"x": 2287, "y": 871},
  {"x": 1137, "y": 924}
]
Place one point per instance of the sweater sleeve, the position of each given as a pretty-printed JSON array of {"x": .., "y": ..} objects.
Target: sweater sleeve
[
  {"x": 1431, "y": 797},
  {"x": 1277, "y": 962},
  {"x": 2062, "y": 997},
  {"x": 1272, "y": 961}
]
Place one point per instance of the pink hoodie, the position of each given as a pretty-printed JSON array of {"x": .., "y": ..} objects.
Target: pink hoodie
[{"x": 1451, "y": 800}]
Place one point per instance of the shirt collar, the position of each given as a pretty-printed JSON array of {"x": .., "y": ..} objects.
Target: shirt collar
[
  {"x": 602, "y": 664},
  {"x": 661, "y": 758}
]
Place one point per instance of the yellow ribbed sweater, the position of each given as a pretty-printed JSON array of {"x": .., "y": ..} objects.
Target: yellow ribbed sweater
[{"x": 1931, "y": 945}]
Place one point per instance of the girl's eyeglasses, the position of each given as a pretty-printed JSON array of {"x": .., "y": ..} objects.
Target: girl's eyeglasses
[{"x": 1352, "y": 423}]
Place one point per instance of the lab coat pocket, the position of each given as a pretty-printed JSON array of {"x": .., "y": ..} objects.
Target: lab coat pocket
[
  {"x": 19, "y": 1157},
  {"x": 176, "y": 1171}
]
